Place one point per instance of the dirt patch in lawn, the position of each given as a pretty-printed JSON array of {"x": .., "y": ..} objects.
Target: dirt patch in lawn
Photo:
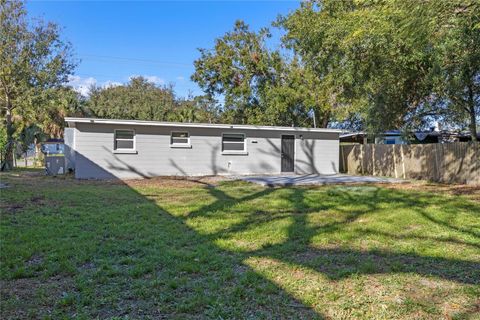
[
  {"x": 34, "y": 298},
  {"x": 10, "y": 208},
  {"x": 38, "y": 180},
  {"x": 176, "y": 182},
  {"x": 38, "y": 200},
  {"x": 470, "y": 191}
]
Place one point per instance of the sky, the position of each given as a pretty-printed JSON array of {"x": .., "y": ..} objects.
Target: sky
[{"x": 114, "y": 41}]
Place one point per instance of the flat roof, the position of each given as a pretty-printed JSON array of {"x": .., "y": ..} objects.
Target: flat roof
[{"x": 70, "y": 120}]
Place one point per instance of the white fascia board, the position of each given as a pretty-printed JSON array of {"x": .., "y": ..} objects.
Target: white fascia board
[
  {"x": 71, "y": 122},
  {"x": 346, "y": 135}
]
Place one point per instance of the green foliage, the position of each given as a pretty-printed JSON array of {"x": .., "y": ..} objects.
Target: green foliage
[
  {"x": 3, "y": 141},
  {"x": 139, "y": 99},
  {"x": 33, "y": 55},
  {"x": 364, "y": 64},
  {"x": 59, "y": 103},
  {"x": 355, "y": 48},
  {"x": 144, "y": 100},
  {"x": 35, "y": 63},
  {"x": 259, "y": 85},
  {"x": 237, "y": 68},
  {"x": 27, "y": 136},
  {"x": 458, "y": 81},
  {"x": 202, "y": 109},
  {"x": 389, "y": 64},
  {"x": 396, "y": 64}
]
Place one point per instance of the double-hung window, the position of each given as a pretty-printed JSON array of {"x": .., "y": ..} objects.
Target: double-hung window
[
  {"x": 180, "y": 139},
  {"x": 124, "y": 140},
  {"x": 234, "y": 143}
]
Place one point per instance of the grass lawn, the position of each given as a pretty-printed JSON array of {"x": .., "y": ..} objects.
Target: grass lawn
[{"x": 226, "y": 249}]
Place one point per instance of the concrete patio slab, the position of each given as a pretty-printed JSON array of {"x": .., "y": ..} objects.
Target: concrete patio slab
[{"x": 315, "y": 179}]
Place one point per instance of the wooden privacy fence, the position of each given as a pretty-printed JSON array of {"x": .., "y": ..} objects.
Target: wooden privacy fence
[{"x": 448, "y": 163}]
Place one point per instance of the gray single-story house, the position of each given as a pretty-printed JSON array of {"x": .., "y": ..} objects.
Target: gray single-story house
[{"x": 124, "y": 149}]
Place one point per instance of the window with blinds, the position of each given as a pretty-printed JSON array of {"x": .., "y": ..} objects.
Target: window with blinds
[
  {"x": 124, "y": 140},
  {"x": 234, "y": 142},
  {"x": 179, "y": 138}
]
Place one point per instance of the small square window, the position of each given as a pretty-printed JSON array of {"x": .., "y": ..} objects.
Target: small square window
[
  {"x": 233, "y": 142},
  {"x": 124, "y": 140},
  {"x": 180, "y": 139}
]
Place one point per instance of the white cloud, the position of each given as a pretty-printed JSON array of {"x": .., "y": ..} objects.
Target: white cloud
[
  {"x": 153, "y": 79},
  {"x": 111, "y": 84},
  {"x": 82, "y": 85},
  {"x": 180, "y": 78}
]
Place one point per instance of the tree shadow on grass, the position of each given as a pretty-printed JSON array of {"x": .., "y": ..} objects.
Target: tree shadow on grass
[
  {"x": 142, "y": 260},
  {"x": 193, "y": 276},
  {"x": 340, "y": 263}
]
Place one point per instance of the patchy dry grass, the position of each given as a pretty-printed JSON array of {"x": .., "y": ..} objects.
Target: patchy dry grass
[{"x": 207, "y": 248}]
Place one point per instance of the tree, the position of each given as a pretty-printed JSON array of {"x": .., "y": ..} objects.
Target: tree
[
  {"x": 197, "y": 109},
  {"x": 459, "y": 63},
  {"x": 144, "y": 100},
  {"x": 138, "y": 99},
  {"x": 259, "y": 85},
  {"x": 3, "y": 142},
  {"x": 297, "y": 97},
  {"x": 357, "y": 51},
  {"x": 237, "y": 68},
  {"x": 34, "y": 60},
  {"x": 27, "y": 136},
  {"x": 392, "y": 63},
  {"x": 207, "y": 109}
]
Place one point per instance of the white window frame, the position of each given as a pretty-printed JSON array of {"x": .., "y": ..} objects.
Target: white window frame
[
  {"x": 180, "y": 145},
  {"x": 235, "y": 152},
  {"x": 123, "y": 150}
]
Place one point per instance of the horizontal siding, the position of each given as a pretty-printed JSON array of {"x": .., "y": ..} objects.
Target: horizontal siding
[{"x": 315, "y": 153}]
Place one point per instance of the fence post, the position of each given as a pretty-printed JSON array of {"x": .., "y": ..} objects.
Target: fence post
[
  {"x": 437, "y": 167},
  {"x": 362, "y": 151},
  {"x": 373, "y": 159},
  {"x": 403, "y": 161},
  {"x": 394, "y": 162}
]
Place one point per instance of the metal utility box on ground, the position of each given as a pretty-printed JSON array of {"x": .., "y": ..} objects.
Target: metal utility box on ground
[
  {"x": 55, "y": 165},
  {"x": 54, "y": 151}
]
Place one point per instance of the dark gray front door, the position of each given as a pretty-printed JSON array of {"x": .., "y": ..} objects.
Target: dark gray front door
[{"x": 288, "y": 153}]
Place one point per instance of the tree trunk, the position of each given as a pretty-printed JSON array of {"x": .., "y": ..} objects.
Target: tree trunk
[
  {"x": 473, "y": 124},
  {"x": 38, "y": 162},
  {"x": 471, "y": 111},
  {"x": 8, "y": 162},
  {"x": 322, "y": 119}
]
